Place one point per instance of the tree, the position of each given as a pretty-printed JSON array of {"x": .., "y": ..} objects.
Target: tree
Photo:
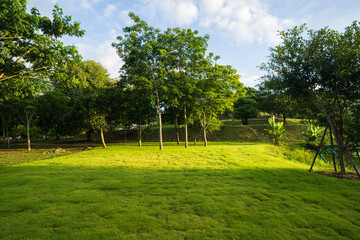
[
  {"x": 29, "y": 43},
  {"x": 245, "y": 108},
  {"x": 26, "y": 109},
  {"x": 185, "y": 50},
  {"x": 139, "y": 103},
  {"x": 52, "y": 110},
  {"x": 322, "y": 68},
  {"x": 218, "y": 87},
  {"x": 83, "y": 76},
  {"x": 272, "y": 98},
  {"x": 142, "y": 55}
]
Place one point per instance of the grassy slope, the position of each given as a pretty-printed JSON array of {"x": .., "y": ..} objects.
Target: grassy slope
[
  {"x": 225, "y": 191},
  {"x": 231, "y": 131}
]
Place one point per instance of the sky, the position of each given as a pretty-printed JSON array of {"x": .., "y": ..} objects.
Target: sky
[{"x": 241, "y": 31}]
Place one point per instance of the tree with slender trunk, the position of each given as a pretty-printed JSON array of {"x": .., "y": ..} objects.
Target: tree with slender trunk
[
  {"x": 142, "y": 55},
  {"x": 218, "y": 87},
  {"x": 26, "y": 109},
  {"x": 185, "y": 49}
]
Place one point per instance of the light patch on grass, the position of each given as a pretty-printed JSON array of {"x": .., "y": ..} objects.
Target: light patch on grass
[{"x": 224, "y": 191}]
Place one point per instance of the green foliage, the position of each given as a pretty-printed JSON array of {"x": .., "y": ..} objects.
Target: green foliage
[
  {"x": 30, "y": 44},
  {"x": 277, "y": 130},
  {"x": 245, "y": 108},
  {"x": 312, "y": 134}
]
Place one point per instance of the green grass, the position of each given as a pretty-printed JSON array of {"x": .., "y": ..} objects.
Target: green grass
[{"x": 225, "y": 191}]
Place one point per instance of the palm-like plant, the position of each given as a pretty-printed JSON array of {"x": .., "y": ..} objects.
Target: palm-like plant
[
  {"x": 276, "y": 130},
  {"x": 312, "y": 133}
]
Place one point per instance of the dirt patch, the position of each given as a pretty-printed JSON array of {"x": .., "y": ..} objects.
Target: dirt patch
[{"x": 351, "y": 176}]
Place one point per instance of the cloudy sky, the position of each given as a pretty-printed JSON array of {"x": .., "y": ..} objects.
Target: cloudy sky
[{"x": 241, "y": 31}]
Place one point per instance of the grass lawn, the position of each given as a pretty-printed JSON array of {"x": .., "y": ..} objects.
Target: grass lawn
[{"x": 225, "y": 191}]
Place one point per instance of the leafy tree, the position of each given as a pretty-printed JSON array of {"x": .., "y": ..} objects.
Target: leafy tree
[
  {"x": 26, "y": 109},
  {"x": 84, "y": 76},
  {"x": 140, "y": 109},
  {"x": 218, "y": 88},
  {"x": 185, "y": 50},
  {"x": 142, "y": 55},
  {"x": 52, "y": 110},
  {"x": 322, "y": 68},
  {"x": 30, "y": 48},
  {"x": 245, "y": 108},
  {"x": 275, "y": 100},
  {"x": 196, "y": 128}
]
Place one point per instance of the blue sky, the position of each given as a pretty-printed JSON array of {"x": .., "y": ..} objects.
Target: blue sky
[{"x": 241, "y": 31}]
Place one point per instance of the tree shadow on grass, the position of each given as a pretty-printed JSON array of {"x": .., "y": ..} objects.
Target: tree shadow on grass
[{"x": 72, "y": 202}]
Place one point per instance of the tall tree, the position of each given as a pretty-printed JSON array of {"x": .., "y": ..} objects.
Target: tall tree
[
  {"x": 322, "y": 68},
  {"x": 185, "y": 50},
  {"x": 142, "y": 55},
  {"x": 218, "y": 87}
]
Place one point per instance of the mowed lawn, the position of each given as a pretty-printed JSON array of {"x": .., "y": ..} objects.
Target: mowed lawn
[{"x": 224, "y": 191}]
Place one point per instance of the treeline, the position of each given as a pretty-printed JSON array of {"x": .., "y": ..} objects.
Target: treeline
[
  {"x": 169, "y": 76},
  {"x": 166, "y": 74}
]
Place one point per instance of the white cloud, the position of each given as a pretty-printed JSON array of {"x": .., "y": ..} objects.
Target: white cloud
[
  {"x": 249, "y": 81},
  {"x": 182, "y": 13},
  {"x": 86, "y": 4},
  {"x": 103, "y": 52},
  {"x": 110, "y": 10},
  {"x": 247, "y": 21},
  {"x": 108, "y": 57}
]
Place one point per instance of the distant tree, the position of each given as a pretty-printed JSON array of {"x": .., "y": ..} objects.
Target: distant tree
[
  {"x": 245, "y": 108},
  {"x": 218, "y": 87},
  {"x": 140, "y": 107},
  {"x": 53, "y": 107},
  {"x": 83, "y": 76},
  {"x": 196, "y": 128},
  {"x": 26, "y": 109}
]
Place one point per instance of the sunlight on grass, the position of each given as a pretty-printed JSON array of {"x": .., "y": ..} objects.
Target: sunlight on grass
[{"x": 225, "y": 191}]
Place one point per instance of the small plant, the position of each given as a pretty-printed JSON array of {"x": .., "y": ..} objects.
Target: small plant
[
  {"x": 311, "y": 135},
  {"x": 276, "y": 130}
]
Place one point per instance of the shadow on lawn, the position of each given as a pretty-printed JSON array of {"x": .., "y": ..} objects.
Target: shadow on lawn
[{"x": 190, "y": 203}]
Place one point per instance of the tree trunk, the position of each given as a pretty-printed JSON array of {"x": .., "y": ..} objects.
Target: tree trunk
[
  {"x": 125, "y": 135},
  {"x": 160, "y": 123},
  {"x": 195, "y": 141},
  {"x": 186, "y": 129},
  {"x": 6, "y": 132},
  {"x": 3, "y": 127},
  {"x": 16, "y": 133},
  {"x": 339, "y": 140},
  {"x": 88, "y": 135},
  {"x": 177, "y": 132},
  {"x": 102, "y": 138},
  {"x": 284, "y": 117},
  {"x": 28, "y": 136},
  {"x": 140, "y": 134},
  {"x": 333, "y": 156},
  {"x": 205, "y": 138}
]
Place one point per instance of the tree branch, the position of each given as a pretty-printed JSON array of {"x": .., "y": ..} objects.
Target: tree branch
[{"x": 20, "y": 74}]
